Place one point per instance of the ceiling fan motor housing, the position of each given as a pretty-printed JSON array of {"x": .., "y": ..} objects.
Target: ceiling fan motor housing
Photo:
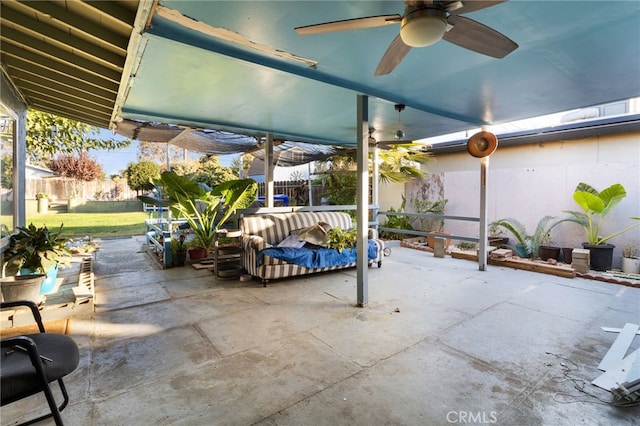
[{"x": 422, "y": 27}]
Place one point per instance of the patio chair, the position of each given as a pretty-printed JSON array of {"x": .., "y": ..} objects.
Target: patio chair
[{"x": 31, "y": 362}]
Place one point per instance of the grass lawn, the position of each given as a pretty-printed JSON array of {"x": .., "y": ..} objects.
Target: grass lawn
[{"x": 95, "y": 225}]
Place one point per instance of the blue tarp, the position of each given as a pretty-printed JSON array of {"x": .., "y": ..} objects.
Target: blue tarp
[{"x": 316, "y": 257}]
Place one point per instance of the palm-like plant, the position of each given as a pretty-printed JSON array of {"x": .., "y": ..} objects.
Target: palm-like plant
[
  {"x": 530, "y": 243},
  {"x": 205, "y": 211}
]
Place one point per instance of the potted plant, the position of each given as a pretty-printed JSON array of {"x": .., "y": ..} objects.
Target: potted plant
[
  {"x": 595, "y": 207},
  {"x": 528, "y": 245},
  {"x": 204, "y": 210},
  {"x": 43, "y": 202},
  {"x": 496, "y": 236},
  {"x": 36, "y": 250},
  {"x": 547, "y": 250},
  {"x": 630, "y": 261},
  {"x": 179, "y": 250}
]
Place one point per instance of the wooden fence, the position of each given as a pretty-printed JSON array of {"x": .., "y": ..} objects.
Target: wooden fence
[{"x": 63, "y": 188}]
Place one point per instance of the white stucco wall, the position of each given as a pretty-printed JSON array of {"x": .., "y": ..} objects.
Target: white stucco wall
[{"x": 529, "y": 182}]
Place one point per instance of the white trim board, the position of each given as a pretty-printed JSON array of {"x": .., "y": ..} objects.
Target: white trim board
[{"x": 619, "y": 348}]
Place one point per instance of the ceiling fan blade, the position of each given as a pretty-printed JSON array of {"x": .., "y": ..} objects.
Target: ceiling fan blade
[
  {"x": 475, "y": 36},
  {"x": 395, "y": 53},
  {"x": 470, "y": 6},
  {"x": 349, "y": 24}
]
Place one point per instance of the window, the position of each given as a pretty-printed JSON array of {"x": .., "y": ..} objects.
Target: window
[{"x": 7, "y": 172}]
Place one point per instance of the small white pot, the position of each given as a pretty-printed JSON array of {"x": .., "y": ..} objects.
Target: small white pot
[{"x": 631, "y": 265}]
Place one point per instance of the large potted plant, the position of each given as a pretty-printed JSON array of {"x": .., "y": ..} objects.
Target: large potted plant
[
  {"x": 596, "y": 205},
  {"x": 35, "y": 251},
  {"x": 204, "y": 210}
]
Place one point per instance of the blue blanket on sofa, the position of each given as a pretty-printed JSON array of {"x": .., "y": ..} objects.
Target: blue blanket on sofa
[{"x": 316, "y": 257}]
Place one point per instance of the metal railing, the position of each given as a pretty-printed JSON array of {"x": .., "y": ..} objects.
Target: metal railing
[{"x": 429, "y": 216}]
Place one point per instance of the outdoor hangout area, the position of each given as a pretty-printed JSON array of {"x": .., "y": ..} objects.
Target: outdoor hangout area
[{"x": 179, "y": 346}]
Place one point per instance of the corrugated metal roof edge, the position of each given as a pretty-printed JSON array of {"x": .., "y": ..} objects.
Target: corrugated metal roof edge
[{"x": 581, "y": 130}]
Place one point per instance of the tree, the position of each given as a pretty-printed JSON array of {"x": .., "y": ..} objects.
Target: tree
[
  {"x": 157, "y": 152},
  {"x": 398, "y": 164},
  {"x": 213, "y": 173},
  {"x": 187, "y": 168},
  {"x": 76, "y": 166},
  {"x": 6, "y": 168},
  {"x": 243, "y": 160},
  {"x": 142, "y": 175},
  {"x": 48, "y": 135}
]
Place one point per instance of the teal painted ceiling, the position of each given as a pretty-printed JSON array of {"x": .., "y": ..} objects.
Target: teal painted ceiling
[{"x": 239, "y": 66}]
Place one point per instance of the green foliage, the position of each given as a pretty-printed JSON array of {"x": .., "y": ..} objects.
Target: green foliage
[
  {"x": 157, "y": 152},
  {"x": 595, "y": 207},
  {"x": 6, "y": 169},
  {"x": 466, "y": 245},
  {"x": 205, "y": 211},
  {"x": 142, "y": 176},
  {"x": 70, "y": 137},
  {"x": 397, "y": 222},
  {"x": 179, "y": 245},
  {"x": 338, "y": 172},
  {"x": 77, "y": 166},
  {"x": 243, "y": 161},
  {"x": 213, "y": 173},
  {"x": 433, "y": 207},
  {"x": 41, "y": 195},
  {"x": 530, "y": 242},
  {"x": 35, "y": 248},
  {"x": 186, "y": 168},
  {"x": 340, "y": 239}
]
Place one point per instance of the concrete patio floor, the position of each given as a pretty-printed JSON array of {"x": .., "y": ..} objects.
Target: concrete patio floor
[{"x": 439, "y": 343}]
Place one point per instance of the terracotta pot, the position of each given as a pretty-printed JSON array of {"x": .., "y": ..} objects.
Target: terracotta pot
[{"x": 196, "y": 253}]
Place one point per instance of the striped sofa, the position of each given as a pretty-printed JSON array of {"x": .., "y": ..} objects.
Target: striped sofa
[{"x": 266, "y": 230}]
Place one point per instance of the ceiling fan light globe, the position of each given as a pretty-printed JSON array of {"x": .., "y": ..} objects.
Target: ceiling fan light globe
[{"x": 423, "y": 27}]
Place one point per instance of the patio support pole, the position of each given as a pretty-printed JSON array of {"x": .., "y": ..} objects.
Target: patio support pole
[
  {"x": 482, "y": 252},
  {"x": 362, "y": 198},
  {"x": 268, "y": 171},
  {"x": 375, "y": 186}
]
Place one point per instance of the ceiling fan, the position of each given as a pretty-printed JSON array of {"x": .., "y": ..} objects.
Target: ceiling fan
[{"x": 425, "y": 23}]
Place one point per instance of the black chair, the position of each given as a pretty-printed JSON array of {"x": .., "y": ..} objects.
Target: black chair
[{"x": 30, "y": 362}]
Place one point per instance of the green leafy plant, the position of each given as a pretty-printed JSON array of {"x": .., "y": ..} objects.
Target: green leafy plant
[
  {"x": 205, "y": 211},
  {"x": 595, "y": 207},
  {"x": 433, "y": 207},
  {"x": 530, "y": 243},
  {"x": 340, "y": 239},
  {"x": 36, "y": 249},
  {"x": 466, "y": 245},
  {"x": 179, "y": 245},
  {"x": 396, "y": 222},
  {"x": 41, "y": 195}
]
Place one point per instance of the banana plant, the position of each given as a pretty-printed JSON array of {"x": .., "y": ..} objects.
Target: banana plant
[
  {"x": 595, "y": 207},
  {"x": 206, "y": 211}
]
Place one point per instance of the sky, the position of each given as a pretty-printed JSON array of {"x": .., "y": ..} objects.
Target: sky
[{"x": 114, "y": 161}]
